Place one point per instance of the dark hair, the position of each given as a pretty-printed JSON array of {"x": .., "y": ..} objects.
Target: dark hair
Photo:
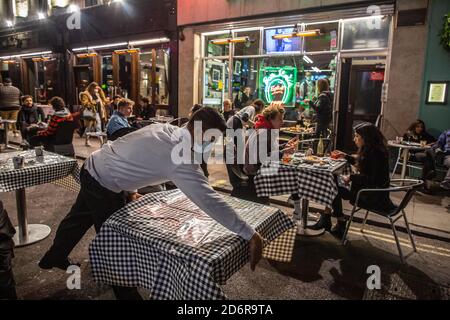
[
  {"x": 259, "y": 105},
  {"x": 57, "y": 103},
  {"x": 145, "y": 100},
  {"x": 210, "y": 119},
  {"x": 195, "y": 108},
  {"x": 7, "y": 80},
  {"x": 416, "y": 123},
  {"x": 125, "y": 103},
  {"x": 23, "y": 98},
  {"x": 116, "y": 97},
  {"x": 374, "y": 141}
]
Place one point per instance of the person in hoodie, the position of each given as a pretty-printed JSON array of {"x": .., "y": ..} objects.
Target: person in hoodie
[
  {"x": 61, "y": 115},
  {"x": 323, "y": 106},
  {"x": 29, "y": 118}
]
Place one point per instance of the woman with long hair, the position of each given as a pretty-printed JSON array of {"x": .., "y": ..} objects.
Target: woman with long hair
[
  {"x": 93, "y": 102},
  {"x": 372, "y": 164}
]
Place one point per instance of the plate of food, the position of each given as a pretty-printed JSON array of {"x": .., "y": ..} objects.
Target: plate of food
[
  {"x": 297, "y": 130},
  {"x": 314, "y": 160}
]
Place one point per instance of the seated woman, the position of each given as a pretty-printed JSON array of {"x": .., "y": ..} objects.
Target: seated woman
[
  {"x": 267, "y": 125},
  {"x": 372, "y": 162},
  {"x": 29, "y": 118},
  {"x": 417, "y": 133},
  {"x": 56, "y": 130}
]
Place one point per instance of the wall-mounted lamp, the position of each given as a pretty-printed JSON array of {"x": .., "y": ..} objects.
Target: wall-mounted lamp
[
  {"x": 225, "y": 41},
  {"x": 309, "y": 33}
]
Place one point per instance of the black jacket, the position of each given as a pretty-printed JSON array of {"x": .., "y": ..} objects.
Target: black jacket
[
  {"x": 28, "y": 116},
  {"x": 323, "y": 107},
  {"x": 373, "y": 174}
]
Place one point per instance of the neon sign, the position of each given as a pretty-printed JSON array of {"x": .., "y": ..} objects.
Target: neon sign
[{"x": 277, "y": 85}]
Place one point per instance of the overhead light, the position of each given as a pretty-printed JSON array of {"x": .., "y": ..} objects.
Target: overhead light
[
  {"x": 87, "y": 55},
  {"x": 224, "y": 41},
  {"x": 120, "y": 52},
  {"x": 9, "y": 23},
  {"x": 148, "y": 41},
  {"x": 73, "y": 8},
  {"x": 41, "y": 15},
  {"x": 307, "y": 59},
  {"x": 316, "y": 69},
  {"x": 309, "y": 33},
  {"x": 120, "y": 44},
  {"x": 27, "y": 55},
  {"x": 9, "y": 61}
]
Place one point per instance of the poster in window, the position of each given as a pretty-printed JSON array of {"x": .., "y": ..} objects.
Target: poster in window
[
  {"x": 20, "y": 8},
  {"x": 437, "y": 92}
]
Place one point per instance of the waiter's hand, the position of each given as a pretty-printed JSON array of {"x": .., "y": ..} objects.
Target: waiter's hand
[
  {"x": 256, "y": 247},
  {"x": 133, "y": 196}
]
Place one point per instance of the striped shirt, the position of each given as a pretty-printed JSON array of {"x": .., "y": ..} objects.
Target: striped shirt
[{"x": 55, "y": 121}]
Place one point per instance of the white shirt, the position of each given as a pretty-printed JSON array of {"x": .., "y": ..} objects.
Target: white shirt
[{"x": 143, "y": 158}]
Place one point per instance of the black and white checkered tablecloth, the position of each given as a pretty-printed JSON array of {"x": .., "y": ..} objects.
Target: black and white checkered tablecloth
[
  {"x": 166, "y": 244},
  {"x": 308, "y": 182},
  {"x": 52, "y": 167}
]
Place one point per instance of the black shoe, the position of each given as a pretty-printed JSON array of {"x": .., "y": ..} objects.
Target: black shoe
[
  {"x": 49, "y": 262},
  {"x": 426, "y": 190},
  {"x": 339, "y": 229},
  {"x": 323, "y": 223}
]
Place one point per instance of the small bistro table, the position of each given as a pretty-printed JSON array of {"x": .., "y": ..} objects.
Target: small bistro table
[
  {"x": 164, "y": 243},
  {"x": 404, "y": 149},
  {"x": 309, "y": 182},
  {"x": 36, "y": 171}
]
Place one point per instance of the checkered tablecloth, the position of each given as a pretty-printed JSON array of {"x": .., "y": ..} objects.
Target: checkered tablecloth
[
  {"x": 52, "y": 167},
  {"x": 166, "y": 244},
  {"x": 311, "y": 183}
]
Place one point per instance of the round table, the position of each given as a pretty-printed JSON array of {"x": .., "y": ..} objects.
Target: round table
[{"x": 405, "y": 147}]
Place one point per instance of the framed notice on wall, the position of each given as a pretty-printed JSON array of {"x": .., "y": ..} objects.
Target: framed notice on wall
[{"x": 437, "y": 92}]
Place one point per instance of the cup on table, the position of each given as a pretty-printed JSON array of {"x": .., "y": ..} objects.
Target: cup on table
[
  {"x": 18, "y": 162},
  {"x": 423, "y": 143},
  {"x": 309, "y": 152},
  {"x": 39, "y": 151},
  {"x": 399, "y": 139}
]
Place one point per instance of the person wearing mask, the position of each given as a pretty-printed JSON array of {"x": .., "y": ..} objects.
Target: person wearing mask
[
  {"x": 10, "y": 103},
  {"x": 93, "y": 109},
  {"x": 443, "y": 146},
  {"x": 417, "y": 133},
  {"x": 112, "y": 174},
  {"x": 323, "y": 106},
  {"x": 47, "y": 137},
  {"x": 119, "y": 119},
  {"x": 372, "y": 163},
  {"x": 228, "y": 110},
  {"x": 243, "y": 98},
  {"x": 29, "y": 118}
]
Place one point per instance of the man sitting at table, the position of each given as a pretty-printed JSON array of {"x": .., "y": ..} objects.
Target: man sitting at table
[
  {"x": 111, "y": 176},
  {"x": 119, "y": 119},
  {"x": 61, "y": 117},
  {"x": 29, "y": 118}
]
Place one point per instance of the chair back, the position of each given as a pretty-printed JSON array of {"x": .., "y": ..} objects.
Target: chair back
[
  {"x": 67, "y": 150},
  {"x": 410, "y": 190},
  {"x": 312, "y": 143},
  {"x": 64, "y": 135}
]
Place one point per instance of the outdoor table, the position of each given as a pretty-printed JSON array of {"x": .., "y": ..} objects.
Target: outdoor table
[
  {"x": 162, "y": 119},
  {"x": 405, "y": 147},
  {"x": 36, "y": 171},
  {"x": 6, "y": 127},
  {"x": 164, "y": 243},
  {"x": 309, "y": 182}
]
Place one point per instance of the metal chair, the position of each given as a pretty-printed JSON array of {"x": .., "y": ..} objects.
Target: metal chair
[
  {"x": 312, "y": 143},
  {"x": 392, "y": 215}
]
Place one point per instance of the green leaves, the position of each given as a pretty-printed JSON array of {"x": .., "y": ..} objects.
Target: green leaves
[{"x": 445, "y": 33}]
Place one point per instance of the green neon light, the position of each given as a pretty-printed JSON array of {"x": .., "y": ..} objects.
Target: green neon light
[{"x": 278, "y": 81}]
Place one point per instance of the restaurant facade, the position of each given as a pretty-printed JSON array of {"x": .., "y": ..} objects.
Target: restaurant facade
[
  {"x": 279, "y": 51},
  {"x": 58, "y": 47}
]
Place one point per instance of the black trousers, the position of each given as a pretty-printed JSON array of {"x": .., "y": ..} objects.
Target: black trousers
[
  {"x": 343, "y": 194},
  {"x": 36, "y": 141},
  {"x": 94, "y": 205},
  {"x": 7, "y": 283},
  {"x": 428, "y": 159}
]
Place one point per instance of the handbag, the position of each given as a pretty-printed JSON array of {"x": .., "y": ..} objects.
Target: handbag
[{"x": 88, "y": 114}]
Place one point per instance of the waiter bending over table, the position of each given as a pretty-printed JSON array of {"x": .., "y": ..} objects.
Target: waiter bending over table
[{"x": 111, "y": 176}]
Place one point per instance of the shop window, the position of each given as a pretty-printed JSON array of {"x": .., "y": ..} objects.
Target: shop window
[
  {"x": 328, "y": 39},
  {"x": 107, "y": 75},
  {"x": 274, "y": 45},
  {"x": 250, "y": 47},
  {"x": 154, "y": 82},
  {"x": 245, "y": 75},
  {"x": 367, "y": 33},
  {"x": 217, "y": 50},
  {"x": 215, "y": 82},
  {"x": 124, "y": 75}
]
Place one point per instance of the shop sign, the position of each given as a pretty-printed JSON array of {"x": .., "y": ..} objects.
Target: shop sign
[
  {"x": 277, "y": 85},
  {"x": 377, "y": 76}
]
